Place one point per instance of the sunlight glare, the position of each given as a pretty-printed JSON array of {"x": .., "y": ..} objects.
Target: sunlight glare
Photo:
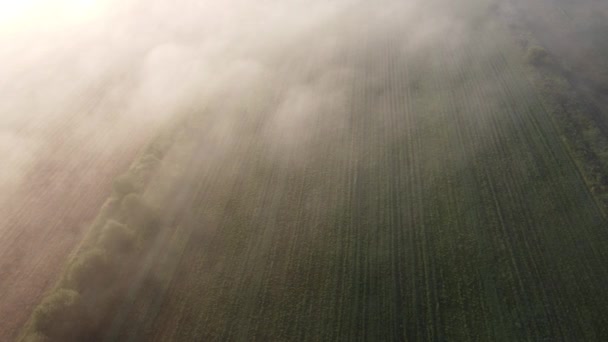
[{"x": 31, "y": 14}]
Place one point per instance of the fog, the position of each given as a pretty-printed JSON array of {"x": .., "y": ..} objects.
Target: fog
[
  {"x": 112, "y": 68},
  {"x": 120, "y": 67},
  {"x": 86, "y": 84}
]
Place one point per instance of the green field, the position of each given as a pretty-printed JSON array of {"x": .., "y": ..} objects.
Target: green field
[
  {"x": 437, "y": 203},
  {"x": 426, "y": 194}
]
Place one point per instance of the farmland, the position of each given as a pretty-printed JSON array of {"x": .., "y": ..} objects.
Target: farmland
[
  {"x": 61, "y": 193},
  {"x": 437, "y": 202},
  {"x": 381, "y": 181}
]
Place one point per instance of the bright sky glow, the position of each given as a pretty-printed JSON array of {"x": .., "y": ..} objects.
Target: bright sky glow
[{"x": 31, "y": 14}]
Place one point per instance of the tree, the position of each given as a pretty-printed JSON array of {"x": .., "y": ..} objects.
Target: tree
[
  {"x": 537, "y": 56},
  {"x": 126, "y": 184},
  {"x": 61, "y": 317},
  {"x": 140, "y": 215},
  {"x": 117, "y": 237},
  {"x": 92, "y": 270}
]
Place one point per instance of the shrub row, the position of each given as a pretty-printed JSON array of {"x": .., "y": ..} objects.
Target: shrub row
[
  {"x": 579, "y": 123},
  {"x": 96, "y": 278}
]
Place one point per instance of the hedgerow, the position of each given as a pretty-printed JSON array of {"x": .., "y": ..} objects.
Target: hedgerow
[
  {"x": 91, "y": 270},
  {"x": 60, "y": 317},
  {"x": 94, "y": 279},
  {"x": 141, "y": 215},
  {"x": 117, "y": 237}
]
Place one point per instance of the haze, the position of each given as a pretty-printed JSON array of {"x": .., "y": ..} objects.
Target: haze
[{"x": 316, "y": 170}]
